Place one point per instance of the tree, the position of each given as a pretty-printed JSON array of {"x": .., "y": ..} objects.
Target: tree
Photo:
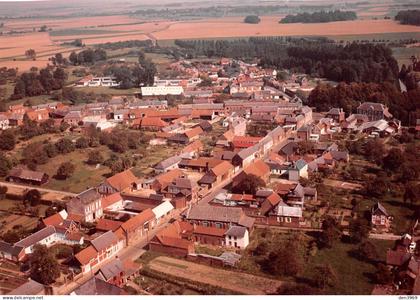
[
  {"x": 33, "y": 197},
  {"x": 64, "y": 146},
  {"x": 331, "y": 232},
  {"x": 3, "y": 192},
  {"x": 248, "y": 184},
  {"x": 8, "y": 140},
  {"x": 383, "y": 275},
  {"x": 30, "y": 53},
  {"x": 326, "y": 276},
  {"x": 368, "y": 251},
  {"x": 252, "y": 19},
  {"x": 44, "y": 266},
  {"x": 65, "y": 170},
  {"x": 377, "y": 187},
  {"x": 411, "y": 192},
  {"x": 35, "y": 154},
  {"x": 5, "y": 165},
  {"x": 296, "y": 289},
  {"x": 374, "y": 150},
  {"x": 82, "y": 143},
  {"x": 394, "y": 160},
  {"x": 358, "y": 230}
]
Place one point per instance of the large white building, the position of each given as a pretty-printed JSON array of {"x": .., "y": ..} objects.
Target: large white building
[{"x": 161, "y": 90}]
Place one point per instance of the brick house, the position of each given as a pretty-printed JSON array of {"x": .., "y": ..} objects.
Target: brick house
[
  {"x": 118, "y": 182},
  {"x": 380, "y": 218},
  {"x": 374, "y": 111},
  {"x": 138, "y": 226},
  {"x": 87, "y": 204},
  {"x": 102, "y": 249}
]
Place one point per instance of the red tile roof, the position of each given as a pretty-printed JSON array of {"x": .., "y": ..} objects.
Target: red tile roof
[
  {"x": 222, "y": 168},
  {"x": 53, "y": 220},
  {"x": 258, "y": 168},
  {"x": 121, "y": 180},
  {"x": 86, "y": 255},
  {"x": 110, "y": 200},
  {"x": 193, "y": 132},
  {"x": 106, "y": 225},
  {"x": 213, "y": 231},
  {"x": 245, "y": 141},
  {"x": 138, "y": 220},
  {"x": 152, "y": 122}
]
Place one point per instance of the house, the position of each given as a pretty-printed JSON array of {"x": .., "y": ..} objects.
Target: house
[
  {"x": 237, "y": 237},
  {"x": 245, "y": 157},
  {"x": 242, "y": 142},
  {"x": 186, "y": 137},
  {"x": 337, "y": 114},
  {"x": 205, "y": 126},
  {"x": 4, "y": 121},
  {"x": 107, "y": 225},
  {"x": 38, "y": 115},
  {"x": 20, "y": 175},
  {"x": 219, "y": 217},
  {"x": 11, "y": 252},
  {"x": 96, "y": 286},
  {"x": 112, "y": 272},
  {"x": 170, "y": 240},
  {"x": 380, "y": 218},
  {"x": 118, "y": 182},
  {"x": 182, "y": 190},
  {"x": 168, "y": 164},
  {"x": 217, "y": 174},
  {"x": 285, "y": 215},
  {"x": 258, "y": 168},
  {"x": 49, "y": 236},
  {"x": 149, "y": 123},
  {"x": 374, "y": 111},
  {"x": 163, "y": 180},
  {"x": 138, "y": 226},
  {"x": 298, "y": 170},
  {"x": 102, "y": 249},
  {"x": 162, "y": 211},
  {"x": 87, "y": 204},
  {"x": 112, "y": 202},
  {"x": 30, "y": 288},
  {"x": 192, "y": 150}
]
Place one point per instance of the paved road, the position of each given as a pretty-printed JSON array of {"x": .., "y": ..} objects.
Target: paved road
[{"x": 25, "y": 187}]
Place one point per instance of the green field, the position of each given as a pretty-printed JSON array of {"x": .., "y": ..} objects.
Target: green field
[{"x": 77, "y": 31}]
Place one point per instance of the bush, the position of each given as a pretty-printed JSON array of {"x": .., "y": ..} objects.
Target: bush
[{"x": 252, "y": 19}]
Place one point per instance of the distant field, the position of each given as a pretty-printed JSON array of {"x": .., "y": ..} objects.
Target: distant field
[{"x": 97, "y": 30}]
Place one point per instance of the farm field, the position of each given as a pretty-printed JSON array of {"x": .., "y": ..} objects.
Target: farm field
[
  {"x": 240, "y": 282},
  {"x": 97, "y": 30}
]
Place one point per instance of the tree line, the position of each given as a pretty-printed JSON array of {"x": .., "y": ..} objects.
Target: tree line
[
  {"x": 133, "y": 75},
  {"x": 87, "y": 57},
  {"x": 36, "y": 83},
  {"x": 403, "y": 106},
  {"x": 318, "y": 57},
  {"x": 409, "y": 17},
  {"x": 320, "y": 17}
]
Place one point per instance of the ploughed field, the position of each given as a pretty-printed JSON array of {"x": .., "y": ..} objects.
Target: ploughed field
[{"x": 97, "y": 30}]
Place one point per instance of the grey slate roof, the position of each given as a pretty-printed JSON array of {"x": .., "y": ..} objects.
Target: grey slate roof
[
  {"x": 104, "y": 241},
  {"x": 237, "y": 231},
  {"x": 168, "y": 162},
  {"x": 96, "y": 286},
  {"x": 111, "y": 269},
  {"x": 36, "y": 237},
  {"x": 31, "y": 287}
]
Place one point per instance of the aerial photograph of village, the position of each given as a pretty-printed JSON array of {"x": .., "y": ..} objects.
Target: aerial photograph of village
[{"x": 197, "y": 147}]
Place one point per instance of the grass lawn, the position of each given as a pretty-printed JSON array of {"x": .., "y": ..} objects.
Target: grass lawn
[
  {"x": 108, "y": 91},
  {"x": 84, "y": 176},
  {"x": 354, "y": 275}
]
